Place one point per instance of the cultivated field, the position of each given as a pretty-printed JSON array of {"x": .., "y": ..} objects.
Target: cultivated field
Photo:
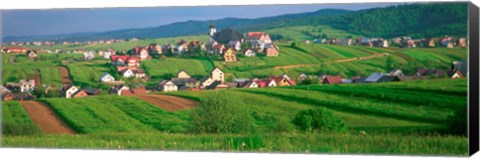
[{"x": 393, "y": 123}]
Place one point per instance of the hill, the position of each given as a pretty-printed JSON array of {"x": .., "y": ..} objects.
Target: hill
[{"x": 416, "y": 20}]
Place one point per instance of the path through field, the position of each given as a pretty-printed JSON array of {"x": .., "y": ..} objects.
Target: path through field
[
  {"x": 65, "y": 75},
  {"x": 169, "y": 103},
  {"x": 45, "y": 118},
  {"x": 335, "y": 61}
]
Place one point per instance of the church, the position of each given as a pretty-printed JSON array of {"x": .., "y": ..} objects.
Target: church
[{"x": 228, "y": 37}]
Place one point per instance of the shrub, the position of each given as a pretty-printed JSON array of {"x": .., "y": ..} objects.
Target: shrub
[
  {"x": 220, "y": 113},
  {"x": 318, "y": 120}
]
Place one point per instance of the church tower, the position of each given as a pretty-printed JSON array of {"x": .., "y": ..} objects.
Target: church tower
[{"x": 212, "y": 29}]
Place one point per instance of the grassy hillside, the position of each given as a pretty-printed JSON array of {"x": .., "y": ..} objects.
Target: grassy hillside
[
  {"x": 321, "y": 59},
  {"x": 15, "y": 120},
  {"x": 379, "y": 109}
]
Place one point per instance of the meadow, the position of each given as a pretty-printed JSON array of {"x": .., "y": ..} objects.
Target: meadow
[{"x": 392, "y": 126}]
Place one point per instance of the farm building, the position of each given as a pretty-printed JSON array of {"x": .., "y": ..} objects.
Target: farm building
[{"x": 167, "y": 86}]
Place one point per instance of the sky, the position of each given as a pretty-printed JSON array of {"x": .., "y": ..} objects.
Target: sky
[{"x": 58, "y": 21}]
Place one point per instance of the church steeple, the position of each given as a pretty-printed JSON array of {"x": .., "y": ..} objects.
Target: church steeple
[{"x": 212, "y": 29}]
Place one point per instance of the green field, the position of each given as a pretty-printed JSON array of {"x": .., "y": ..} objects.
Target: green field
[
  {"x": 309, "y": 32},
  {"x": 399, "y": 118},
  {"x": 15, "y": 120}
]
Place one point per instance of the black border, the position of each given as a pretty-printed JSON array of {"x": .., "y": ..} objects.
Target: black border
[{"x": 473, "y": 110}]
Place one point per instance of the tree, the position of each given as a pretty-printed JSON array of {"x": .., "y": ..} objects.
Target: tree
[
  {"x": 318, "y": 120},
  {"x": 221, "y": 113}
]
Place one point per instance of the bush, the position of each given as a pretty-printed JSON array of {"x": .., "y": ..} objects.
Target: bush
[
  {"x": 220, "y": 113},
  {"x": 457, "y": 123},
  {"x": 283, "y": 125},
  {"x": 318, "y": 120}
]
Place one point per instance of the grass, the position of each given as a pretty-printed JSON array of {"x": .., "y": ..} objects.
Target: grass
[
  {"x": 15, "y": 120},
  {"x": 88, "y": 73},
  {"x": 92, "y": 115},
  {"x": 393, "y": 127},
  {"x": 347, "y": 143}
]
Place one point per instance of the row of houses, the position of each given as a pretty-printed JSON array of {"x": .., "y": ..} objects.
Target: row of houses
[
  {"x": 404, "y": 42},
  {"x": 216, "y": 80},
  {"x": 458, "y": 70}
]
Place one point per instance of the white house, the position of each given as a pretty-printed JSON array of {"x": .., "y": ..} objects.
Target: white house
[
  {"x": 106, "y": 77},
  {"x": 217, "y": 75},
  {"x": 128, "y": 73},
  {"x": 69, "y": 90},
  {"x": 235, "y": 45},
  {"x": 271, "y": 83},
  {"x": 206, "y": 82},
  {"x": 27, "y": 85},
  {"x": 167, "y": 86},
  {"x": 249, "y": 53}
]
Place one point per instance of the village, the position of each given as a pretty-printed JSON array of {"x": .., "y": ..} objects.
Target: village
[{"x": 226, "y": 43}]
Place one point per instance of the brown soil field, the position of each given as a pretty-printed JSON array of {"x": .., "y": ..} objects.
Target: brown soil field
[
  {"x": 169, "y": 103},
  {"x": 45, "y": 118}
]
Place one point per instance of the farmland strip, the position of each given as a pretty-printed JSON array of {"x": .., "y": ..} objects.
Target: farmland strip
[{"x": 46, "y": 118}]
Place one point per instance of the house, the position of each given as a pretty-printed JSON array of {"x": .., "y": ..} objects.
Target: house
[
  {"x": 271, "y": 83},
  {"x": 379, "y": 42},
  {"x": 88, "y": 55},
  {"x": 249, "y": 53},
  {"x": 119, "y": 89},
  {"x": 461, "y": 66},
  {"x": 302, "y": 76},
  {"x": 167, "y": 86},
  {"x": 374, "y": 77},
  {"x": 462, "y": 42},
  {"x": 27, "y": 85},
  {"x": 182, "y": 47},
  {"x": 185, "y": 83},
  {"x": 428, "y": 42},
  {"x": 446, "y": 42},
  {"x": 32, "y": 54},
  {"x": 259, "y": 36},
  {"x": 284, "y": 80},
  {"x": 4, "y": 90},
  {"x": 183, "y": 74},
  {"x": 207, "y": 81},
  {"x": 431, "y": 73},
  {"x": 364, "y": 42},
  {"x": 143, "y": 53},
  {"x": 248, "y": 84},
  {"x": 127, "y": 73},
  {"x": 17, "y": 50},
  {"x": 217, "y": 75},
  {"x": 395, "y": 72},
  {"x": 71, "y": 91},
  {"x": 217, "y": 85},
  {"x": 230, "y": 55},
  {"x": 454, "y": 74},
  {"x": 346, "y": 42},
  {"x": 139, "y": 73},
  {"x": 218, "y": 49},
  {"x": 106, "y": 77},
  {"x": 124, "y": 60},
  {"x": 332, "y": 79},
  {"x": 7, "y": 96},
  {"x": 271, "y": 50},
  {"x": 92, "y": 91},
  {"x": 320, "y": 41},
  {"x": 107, "y": 54},
  {"x": 235, "y": 45},
  {"x": 306, "y": 41},
  {"x": 408, "y": 43},
  {"x": 155, "y": 48},
  {"x": 193, "y": 45}
]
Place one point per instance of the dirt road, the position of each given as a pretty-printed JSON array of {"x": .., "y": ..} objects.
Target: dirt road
[
  {"x": 45, "y": 118},
  {"x": 169, "y": 103},
  {"x": 65, "y": 75}
]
